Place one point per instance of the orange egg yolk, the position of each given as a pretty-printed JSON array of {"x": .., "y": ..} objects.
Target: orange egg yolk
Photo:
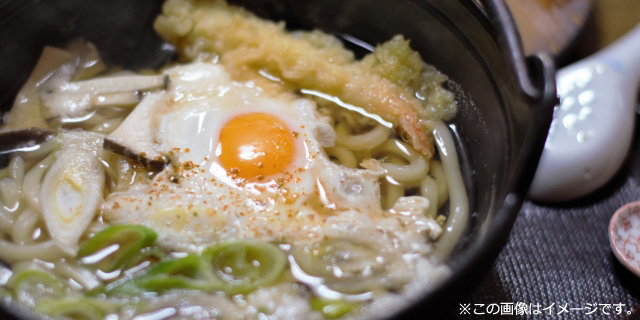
[{"x": 256, "y": 145}]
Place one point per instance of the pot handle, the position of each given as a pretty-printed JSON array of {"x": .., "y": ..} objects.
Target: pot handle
[{"x": 535, "y": 73}]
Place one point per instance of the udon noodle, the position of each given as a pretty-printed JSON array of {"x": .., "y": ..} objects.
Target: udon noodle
[{"x": 144, "y": 278}]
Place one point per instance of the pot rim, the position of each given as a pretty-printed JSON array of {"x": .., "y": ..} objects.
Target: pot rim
[{"x": 536, "y": 80}]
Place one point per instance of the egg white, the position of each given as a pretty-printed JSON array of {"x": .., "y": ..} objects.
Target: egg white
[
  {"x": 203, "y": 99},
  {"x": 195, "y": 202}
]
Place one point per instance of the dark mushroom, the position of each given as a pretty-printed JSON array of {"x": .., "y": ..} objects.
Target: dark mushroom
[
  {"x": 135, "y": 137},
  {"x": 27, "y": 139}
]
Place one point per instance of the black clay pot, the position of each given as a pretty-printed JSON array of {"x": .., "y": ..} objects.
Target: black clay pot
[{"x": 505, "y": 98}]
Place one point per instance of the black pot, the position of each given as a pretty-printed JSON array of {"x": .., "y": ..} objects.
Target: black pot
[{"x": 505, "y": 98}]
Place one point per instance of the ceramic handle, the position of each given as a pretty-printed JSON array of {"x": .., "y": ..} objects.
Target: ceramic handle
[
  {"x": 624, "y": 55},
  {"x": 536, "y": 73}
]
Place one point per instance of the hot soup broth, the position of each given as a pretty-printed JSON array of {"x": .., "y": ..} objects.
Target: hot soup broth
[{"x": 267, "y": 174}]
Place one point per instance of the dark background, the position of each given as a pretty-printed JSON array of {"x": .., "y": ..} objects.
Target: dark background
[{"x": 559, "y": 255}]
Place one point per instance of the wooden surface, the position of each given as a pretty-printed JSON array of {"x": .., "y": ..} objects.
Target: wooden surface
[
  {"x": 558, "y": 257},
  {"x": 612, "y": 18},
  {"x": 549, "y": 25},
  {"x": 587, "y": 25}
]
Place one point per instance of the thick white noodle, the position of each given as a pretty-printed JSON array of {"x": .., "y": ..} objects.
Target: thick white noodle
[
  {"x": 6, "y": 220},
  {"x": 458, "y": 201},
  {"x": 349, "y": 118},
  {"x": 32, "y": 180},
  {"x": 111, "y": 171},
  {"x": 415, "y": 170},
  {"x": 9, "y": 203},
  {"x": 82, "y": 276},
  {"x": 96, "y": 226},
  {"x": 344, "y": 156},
  {"x": 429, "y": 189},
  {"x": 365, "y": 141},
  {"x": 393, "y": 192},
  {"x": 16, "y": 169},
  {"x": 28, "y": 265},
  {"x": 437, "y": 172},
  {"x": 24, "y": 227},
  {"x": 107, "y": 126},
  {"x": 46, "y": 251},
  {"x": 43, "y": 150},
  {"x": 10, "y": 194}
]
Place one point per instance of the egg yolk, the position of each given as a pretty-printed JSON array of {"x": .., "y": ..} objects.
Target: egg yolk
[{"x": 256, "y": 145}]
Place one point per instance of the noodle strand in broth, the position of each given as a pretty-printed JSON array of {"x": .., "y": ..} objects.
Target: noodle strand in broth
[{"x": 355, "y": 223}]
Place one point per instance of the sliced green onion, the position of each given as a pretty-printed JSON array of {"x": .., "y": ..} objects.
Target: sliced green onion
[
  {"x": 5, "y": 293},
  {"x": 242, "y": 266},
  {"x": 150, "y": 255},
  {"x": 189, "y": 272},
  {"x": 75, "y": 308},
  {"x": 32, "y": 284},
  {"x": 234, "y": 267},
  {"x": 345, "y": 266},
  {"x": 331, "y": 308},
  {"x": 112, "y": 247},
  {"x": 122, "y": 287}
]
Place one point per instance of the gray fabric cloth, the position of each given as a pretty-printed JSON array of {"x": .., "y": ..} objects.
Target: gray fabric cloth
[{"x": 559, "y": 256}]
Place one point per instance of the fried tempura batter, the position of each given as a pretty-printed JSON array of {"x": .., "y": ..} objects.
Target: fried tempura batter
[{"x": 387, "y": 82}]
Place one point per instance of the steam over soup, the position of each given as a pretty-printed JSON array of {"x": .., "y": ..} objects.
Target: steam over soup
[{"x": 267, "y": 175}]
